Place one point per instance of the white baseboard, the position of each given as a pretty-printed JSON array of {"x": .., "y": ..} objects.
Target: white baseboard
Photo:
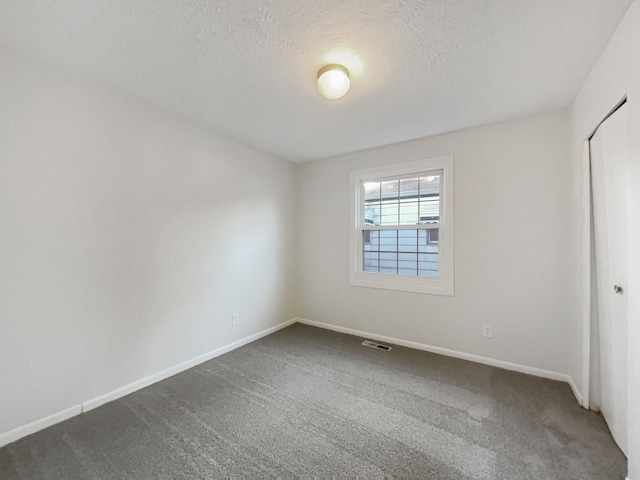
[
  {"x": 576, "y": 391},
  {"x": 169, "y": 372},
  {"x": 28, "y": 429},
  {"x": 40, "y": 424},
  {"x": 538, "y": 372}
]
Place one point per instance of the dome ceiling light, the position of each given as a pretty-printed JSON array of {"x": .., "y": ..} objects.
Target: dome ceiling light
[{"x": 333, "y": 81}]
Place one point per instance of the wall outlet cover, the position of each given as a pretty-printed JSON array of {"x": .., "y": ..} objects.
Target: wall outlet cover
[{"x": 487, "y": 331}]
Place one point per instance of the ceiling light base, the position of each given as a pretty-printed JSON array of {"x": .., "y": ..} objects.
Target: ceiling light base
[{"x": 333, "y": 81}]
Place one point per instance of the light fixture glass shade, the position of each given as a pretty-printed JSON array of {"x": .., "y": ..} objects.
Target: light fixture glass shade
[{"x": 333, "y": 81}]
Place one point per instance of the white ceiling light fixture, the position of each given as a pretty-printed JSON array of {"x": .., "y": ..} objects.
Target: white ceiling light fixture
[{"x": 333, "y": 81}]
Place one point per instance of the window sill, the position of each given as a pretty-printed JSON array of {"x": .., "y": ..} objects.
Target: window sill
[{"x": 404, "y": 284}]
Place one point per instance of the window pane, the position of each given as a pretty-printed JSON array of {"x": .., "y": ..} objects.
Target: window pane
[
  {"x": 430, "y": 199},
  {"x": 428, "y": 264},
  {"x": 374, "y": 240},
  {"x": 408, "y": 264},
  {"x": 388, "y": 240},
  {"x": 409, "y": 189},
  {"x": 402, "y": 202},
  {"x": 409, "y": 213},
  {"x": 430, "y": 185},
  {"x": 388, "y": 262},
  {"x": 428, "y": 240},
  {"x": 407, "y": 240},
  {"x": 389, "y": 212},
  {"x": 372, "y": 214},
  {"x": 370, "y": 262},
  {"x": 389, "y": 190},
  {"x": 401, "y": 252},
  {"x": 408, "y": 260},
  {"x": 366, "y": 239},
  {"x": 430, "y": 210},
  {"x": 389, "y": 202},
  {"x": 371, "y": 191}
]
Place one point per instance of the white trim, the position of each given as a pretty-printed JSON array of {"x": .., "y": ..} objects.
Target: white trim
[
  {"x": 420, "y": 226},
  {"x": 575, "y": 390},
  {"x": 40, "y": 424},
  {"x": 444, "y": 284},
  {"x": 538, "y": 372},
  {"x": 28, "y": 429},
  {"x": 169, "y": 372},
  {"x": 586, "y": 274}
]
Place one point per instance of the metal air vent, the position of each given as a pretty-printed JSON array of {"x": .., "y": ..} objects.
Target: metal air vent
[{"x": 379, "y": 346}]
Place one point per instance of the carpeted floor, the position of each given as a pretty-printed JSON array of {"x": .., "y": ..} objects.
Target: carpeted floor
[{"x": 311, "y": 402}]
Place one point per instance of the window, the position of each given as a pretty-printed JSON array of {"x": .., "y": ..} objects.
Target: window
[{"x": 402, "y": 227}]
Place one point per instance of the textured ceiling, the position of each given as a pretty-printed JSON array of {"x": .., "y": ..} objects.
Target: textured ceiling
[{"x": 247, "y": 69}]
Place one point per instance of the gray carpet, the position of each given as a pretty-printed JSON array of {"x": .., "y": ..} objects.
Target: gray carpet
[{"x": 310, "y": 402}]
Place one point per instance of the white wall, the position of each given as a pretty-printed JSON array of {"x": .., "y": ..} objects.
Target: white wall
[
  {"x": 616, "y": 74},
  {"x": 127, "y": 239},
  {"x": 511, "y": 245}
]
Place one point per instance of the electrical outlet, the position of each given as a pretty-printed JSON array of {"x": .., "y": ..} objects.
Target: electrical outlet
[
  {"x": 487, "y": 331},
  {"x": 235, "y": 318}
]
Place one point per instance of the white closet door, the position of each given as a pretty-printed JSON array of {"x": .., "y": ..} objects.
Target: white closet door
[{"x": 609, "y": 164}]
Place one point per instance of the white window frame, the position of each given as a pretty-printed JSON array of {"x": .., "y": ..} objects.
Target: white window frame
[{"x": 443, "y": 284}]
